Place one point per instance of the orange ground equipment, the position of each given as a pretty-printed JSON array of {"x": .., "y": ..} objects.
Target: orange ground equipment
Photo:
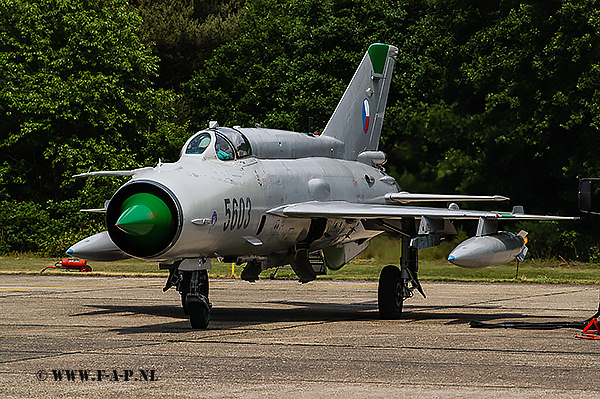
[
  {"x": 71, "y": 264},
  {"x": 591, "y": 331}
]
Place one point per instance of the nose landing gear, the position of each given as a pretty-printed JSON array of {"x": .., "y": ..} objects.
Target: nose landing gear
[
  {"x": 196, "y": 299},
  {"x": 193, "y": 287}
]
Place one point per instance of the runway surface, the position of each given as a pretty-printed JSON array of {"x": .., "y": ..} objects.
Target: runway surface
[{"x": 124, "y": 337}]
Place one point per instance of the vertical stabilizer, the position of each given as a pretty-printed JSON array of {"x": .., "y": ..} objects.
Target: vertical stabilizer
[{"x": 359, "y": 115}]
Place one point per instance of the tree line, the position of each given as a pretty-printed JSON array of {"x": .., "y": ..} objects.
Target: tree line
[{"x": 495, "y": 97}]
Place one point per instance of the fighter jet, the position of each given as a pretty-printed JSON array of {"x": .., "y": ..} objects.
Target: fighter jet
[{"x": 269, "y": 198}]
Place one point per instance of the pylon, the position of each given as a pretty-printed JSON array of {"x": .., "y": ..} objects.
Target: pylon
[{"x": 591, "y": 331}]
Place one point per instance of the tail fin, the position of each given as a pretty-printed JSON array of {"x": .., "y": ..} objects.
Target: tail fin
[{"x": 358, "y": 116}]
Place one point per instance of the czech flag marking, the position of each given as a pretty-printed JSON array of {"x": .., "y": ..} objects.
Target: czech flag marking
[{"x": 366, "y": 114}]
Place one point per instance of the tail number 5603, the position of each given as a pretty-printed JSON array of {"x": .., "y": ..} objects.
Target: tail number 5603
[{"x": 237, "y": 212}]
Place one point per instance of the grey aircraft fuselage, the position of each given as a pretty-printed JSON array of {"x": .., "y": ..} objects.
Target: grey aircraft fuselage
[{"x": 224, "y": 202}]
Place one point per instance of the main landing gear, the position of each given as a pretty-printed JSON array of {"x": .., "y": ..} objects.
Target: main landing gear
[
  {"x": 193, "y": 287},
  {"x": 398, "y": 283}
]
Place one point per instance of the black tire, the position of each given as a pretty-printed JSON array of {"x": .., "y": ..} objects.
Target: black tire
[
  {"x": 199, "y": 315},
  {"x": 390, "y": 296},
  {"x": 184, "y": 307}
]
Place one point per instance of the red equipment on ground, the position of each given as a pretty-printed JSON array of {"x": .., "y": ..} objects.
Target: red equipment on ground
[
  {"x": 71, "y": 264},
  {"x": 591, "y": 331}
]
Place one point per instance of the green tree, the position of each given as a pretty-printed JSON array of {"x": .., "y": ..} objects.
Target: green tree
[
  {"x": 501, "y": 97},
  {"x": 75, "y": 93},
  {"x": 183, "y": 33},
  {"x": 292, "y": 60}
]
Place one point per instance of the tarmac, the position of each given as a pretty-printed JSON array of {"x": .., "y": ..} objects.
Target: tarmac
[{"x": 99, "y": 337}]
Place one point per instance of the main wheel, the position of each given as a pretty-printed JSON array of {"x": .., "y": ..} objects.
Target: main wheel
[
  {"x": 390, "y": 296},
  {"x": 199, "y": 315}
]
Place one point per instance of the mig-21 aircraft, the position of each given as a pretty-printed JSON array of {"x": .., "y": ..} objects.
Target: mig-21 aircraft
[{"x": 269, "y": 198}]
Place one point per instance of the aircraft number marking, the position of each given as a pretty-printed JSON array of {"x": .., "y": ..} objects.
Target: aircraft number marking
[{"x": 237, "y": 212}]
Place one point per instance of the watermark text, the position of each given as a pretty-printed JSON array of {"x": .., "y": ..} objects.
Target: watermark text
[{"x": 85, "y": 375}]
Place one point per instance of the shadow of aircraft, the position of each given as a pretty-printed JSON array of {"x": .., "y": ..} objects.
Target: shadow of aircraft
[{"x": 230, "y": 318}]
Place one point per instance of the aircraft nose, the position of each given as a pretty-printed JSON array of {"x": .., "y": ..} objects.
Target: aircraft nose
[
  {"x": 143, "y": 219},
  {"x": 144, "y": 214}
]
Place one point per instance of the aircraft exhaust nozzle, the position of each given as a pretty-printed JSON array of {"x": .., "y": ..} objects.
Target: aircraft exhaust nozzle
[
  {"x": 489, "y": 250},
  {"x": 143, "y": 219}
]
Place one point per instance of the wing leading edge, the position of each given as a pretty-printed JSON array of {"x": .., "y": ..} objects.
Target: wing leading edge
[{"x": 348, "y": 210}]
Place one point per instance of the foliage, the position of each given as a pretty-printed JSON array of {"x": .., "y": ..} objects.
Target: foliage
[
  {"x": 498, "y": 97},
  {"x": 185, "y": 32},
  {"x": 292, "y": 60},
  {"x": 32, "y": 227},
  {"x": 75, "y": 93}
]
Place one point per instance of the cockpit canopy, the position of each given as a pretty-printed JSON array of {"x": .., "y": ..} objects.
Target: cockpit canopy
[
  {"x": 228, "y": 143},
  {"x": 241, "y": 145},
  {"x": 198, "y": 143}
]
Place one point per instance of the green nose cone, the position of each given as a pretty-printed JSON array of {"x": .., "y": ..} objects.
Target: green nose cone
[{"x": 145, "y": 215}]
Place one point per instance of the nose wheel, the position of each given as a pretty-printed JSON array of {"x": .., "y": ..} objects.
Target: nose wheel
[
  {"x": 193, "y": 287},
  {"x": 199, "y": 310}
]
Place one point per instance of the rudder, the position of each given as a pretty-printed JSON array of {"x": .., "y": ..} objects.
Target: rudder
[{"x": 358, "y": 117}]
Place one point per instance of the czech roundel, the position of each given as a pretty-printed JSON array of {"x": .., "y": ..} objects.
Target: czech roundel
[{"x": 366, "y": 114}]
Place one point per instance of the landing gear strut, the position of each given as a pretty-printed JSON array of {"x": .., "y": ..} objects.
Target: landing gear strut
[
  {"x": 397, "y": 284},
  {"x": 193, "y": 287}
]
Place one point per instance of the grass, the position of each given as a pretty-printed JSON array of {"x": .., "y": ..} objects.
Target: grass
[
  {"x": 362, "y": 268},
  {"x": 383, "y": 250}
]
